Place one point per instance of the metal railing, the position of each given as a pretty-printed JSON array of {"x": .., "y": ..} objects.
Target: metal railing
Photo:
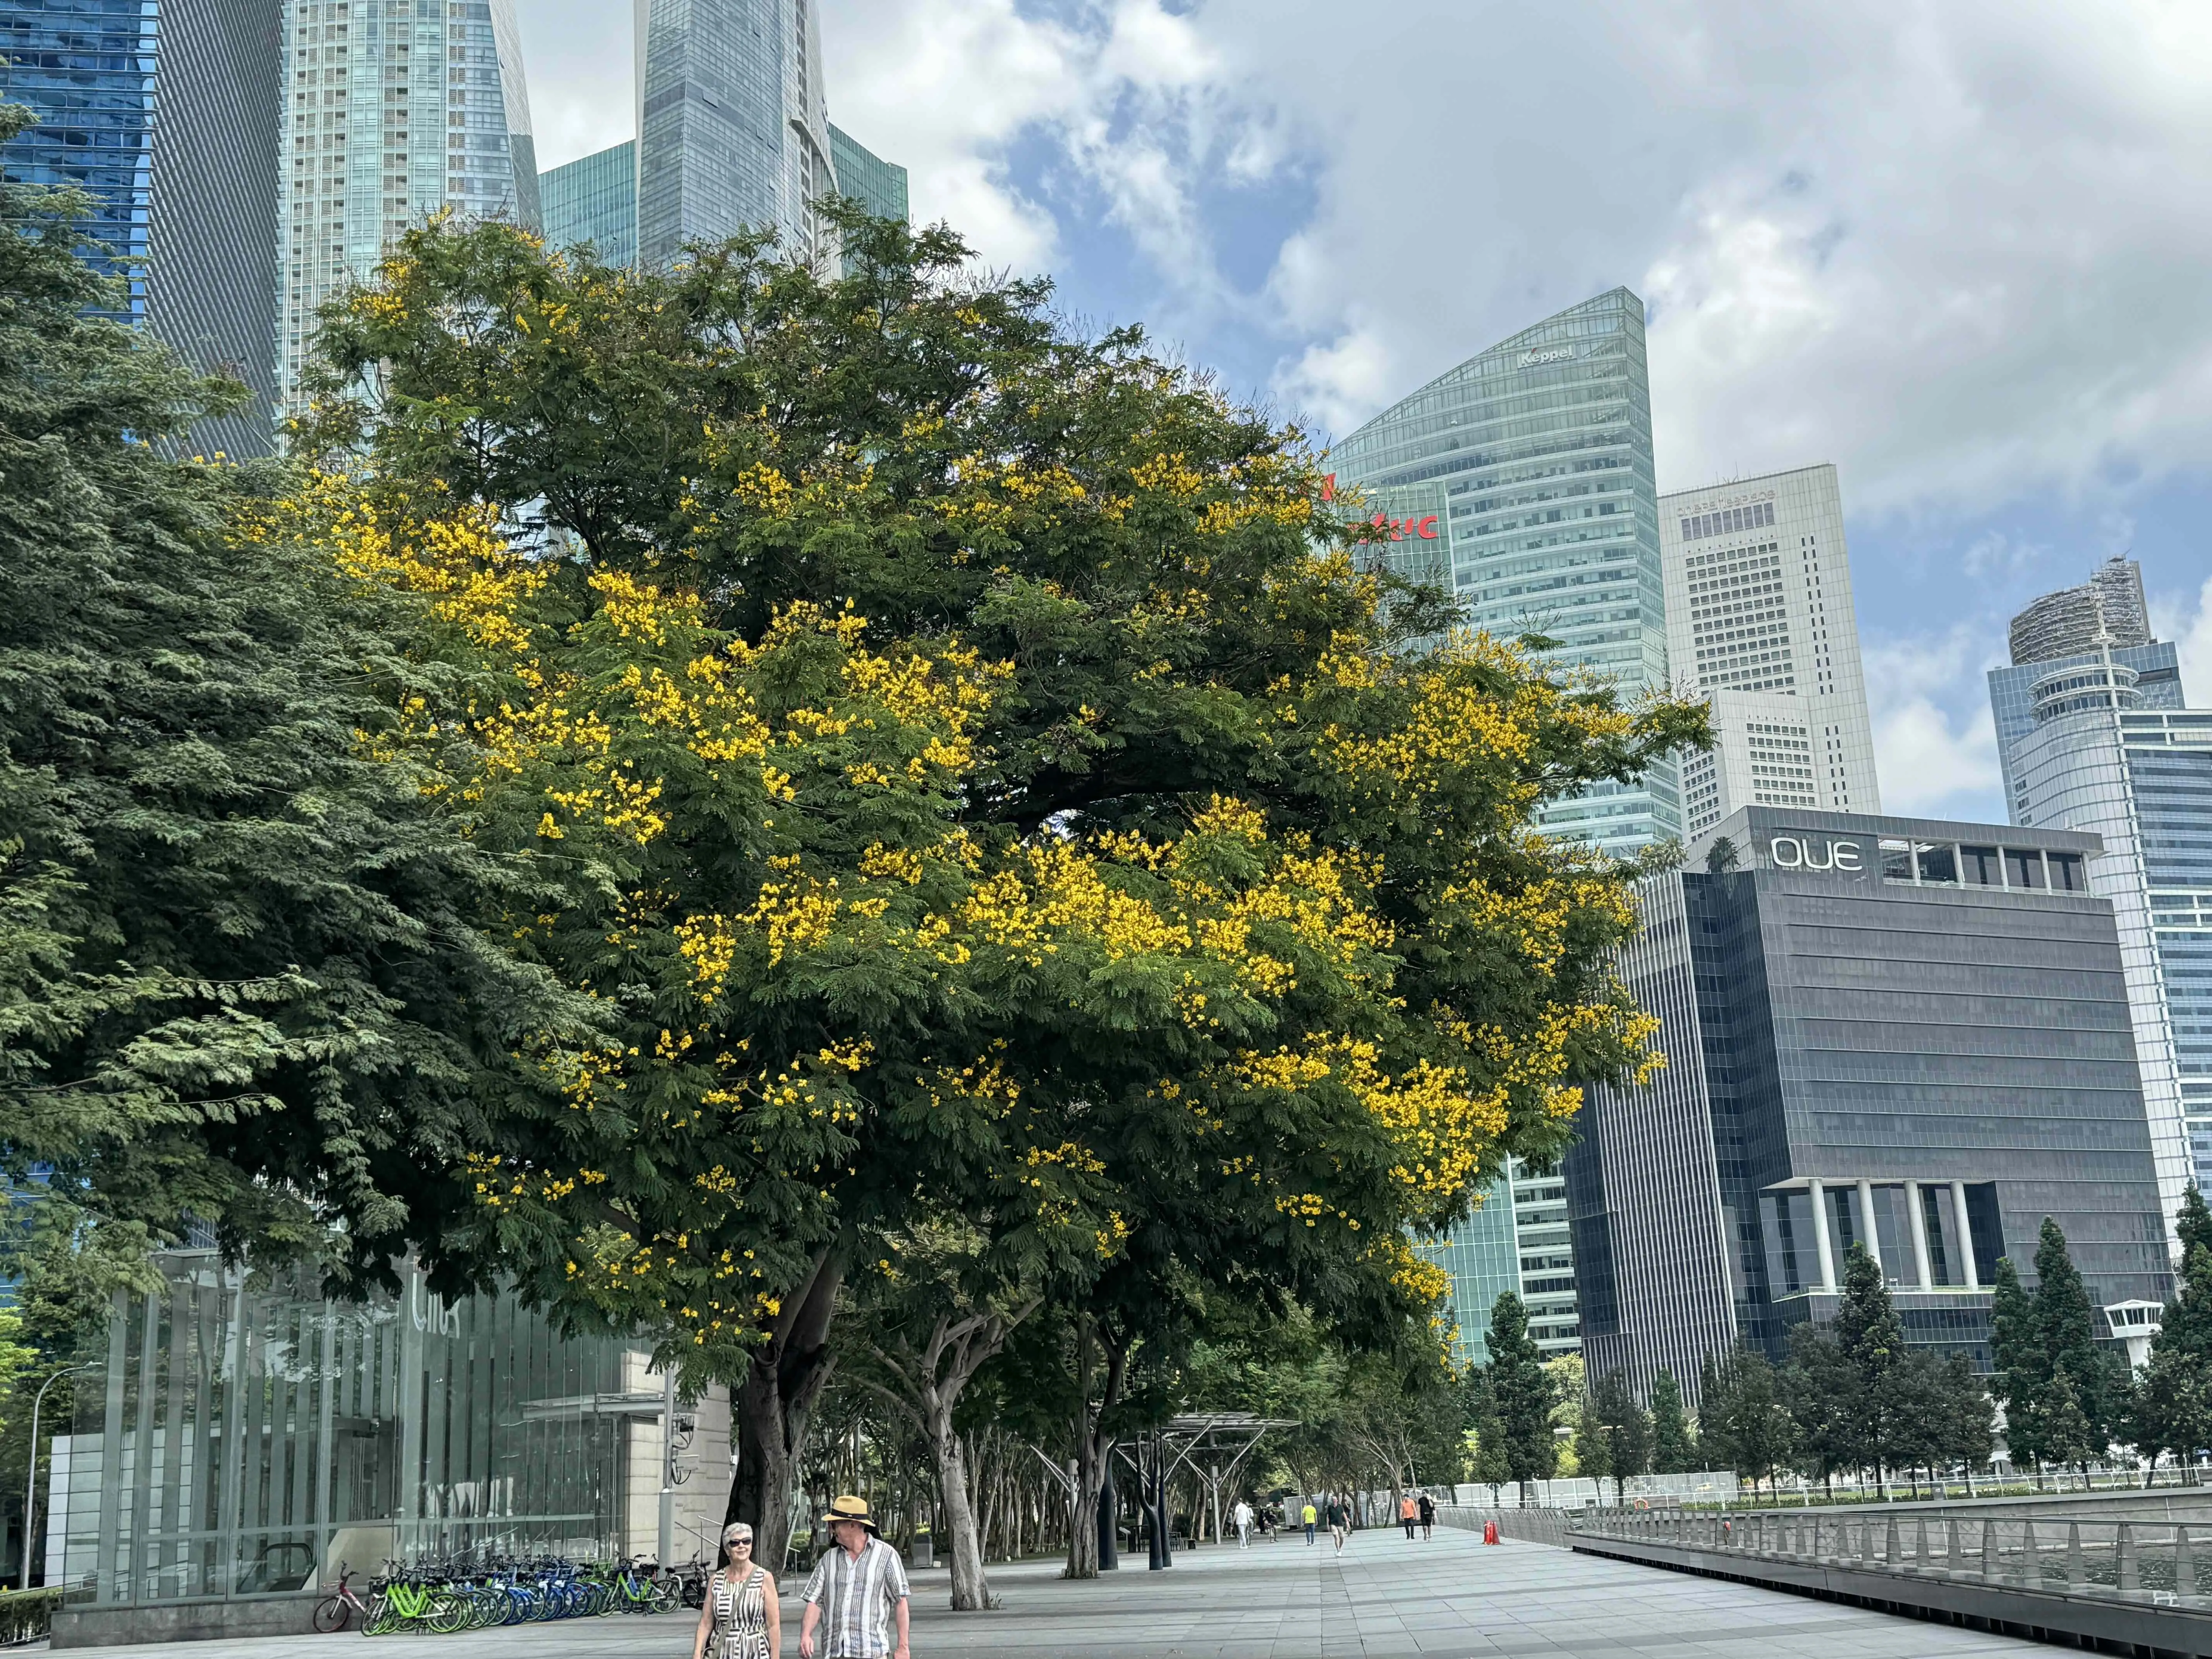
[
  {"x": 1530, "y": 1526},
  {"x": 2150, "y": 1562},
  {"x": 28, "y": 1615}
]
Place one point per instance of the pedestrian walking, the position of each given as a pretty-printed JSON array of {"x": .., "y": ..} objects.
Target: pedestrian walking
[
  {"x": 1428, "y": 1516},
  {"x": 1409, "y": 1513},
  {"x": 857, "y": 1592},
  {"x": 1241, "y": 1515},
  {"x": 1340, "y": 1523},
  {"x": 740, "y": 1619},
  {"x": 1310, "y": 1517}
]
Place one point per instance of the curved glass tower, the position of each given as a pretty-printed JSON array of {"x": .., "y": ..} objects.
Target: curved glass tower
[{"x": 1542, "y": 448}]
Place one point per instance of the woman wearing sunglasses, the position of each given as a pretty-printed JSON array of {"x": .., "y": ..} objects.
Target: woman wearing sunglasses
[{"x": 741, "y": 1619}]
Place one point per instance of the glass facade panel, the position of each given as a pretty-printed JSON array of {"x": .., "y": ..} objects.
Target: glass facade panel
[
  {"x": 733, "y": 128},
  {"x": 167, "y": 115},
  {"x": 393, "y": 110},
  {"x": 250, "y": 1435},
  {"x": 1981, "y": 867},
  {"x": 594, "y": 200},
  {"x": 1938, "y": 864},
  {"x": 877, "y": 185},
  {"x": 1542, "y": 447}
]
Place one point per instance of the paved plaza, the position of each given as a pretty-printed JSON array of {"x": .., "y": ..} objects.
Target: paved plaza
[{"x": 1449, "y": 1598}]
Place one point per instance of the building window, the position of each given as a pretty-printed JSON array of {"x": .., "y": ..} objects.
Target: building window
[
  {"x": 1937, "y": 864},
  {"x": 2066, "y": 875},
  {"x": 2023, "y": 868},
  {"x": 1981, "y": 867},
  {"x": 1896, "y": 860}
]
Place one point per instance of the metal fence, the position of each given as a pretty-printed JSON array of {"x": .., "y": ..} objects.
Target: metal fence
[
  {"x": 1530, "y": 1526},
  {"x": 2155, "y": 1564}
]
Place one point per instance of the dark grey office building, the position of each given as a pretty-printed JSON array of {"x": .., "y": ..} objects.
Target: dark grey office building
[{"x": 1899, "y": 1032}]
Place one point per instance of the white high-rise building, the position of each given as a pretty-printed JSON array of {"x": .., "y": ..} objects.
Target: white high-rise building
[
  {"x": 1760, "y": 620},
  {"x": 393, "y": 110}
]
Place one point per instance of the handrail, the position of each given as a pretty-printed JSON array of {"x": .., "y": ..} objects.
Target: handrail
[{"x": 2147, "y": 1563}]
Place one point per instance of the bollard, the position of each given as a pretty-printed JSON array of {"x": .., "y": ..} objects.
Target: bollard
[{"x": 2126, "y": 1551}]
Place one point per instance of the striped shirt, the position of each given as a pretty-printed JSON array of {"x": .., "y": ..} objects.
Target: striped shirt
[{"x": 856, "y": 1598}]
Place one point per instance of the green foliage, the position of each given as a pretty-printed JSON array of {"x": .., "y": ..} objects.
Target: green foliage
[
  {"x": 2173, "y": 1397},
  {"x": 2019, "y": 1374},
  {"x": 1520, "y": 1394},
  {"x": 1742, "y": 1420},
  {"x": 2063, "y": 1399},
  {"x": 1618, "y": 1429},
  {"x": 1871, "y": 1339},
  {"x": 241, "y": 979},
  {"x": 1672, "y": 1452}
]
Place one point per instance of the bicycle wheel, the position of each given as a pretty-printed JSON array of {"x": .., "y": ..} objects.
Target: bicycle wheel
[
  {"x": 447, "y": 1615},
  {"x": 667, "y": 1593},
  {"x": 331, "y": 1614}
]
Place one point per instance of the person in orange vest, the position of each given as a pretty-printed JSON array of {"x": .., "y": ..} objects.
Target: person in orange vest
[
  {"x": 1409, "y": 1512},
  {"x": 1490, "y": 1532}
]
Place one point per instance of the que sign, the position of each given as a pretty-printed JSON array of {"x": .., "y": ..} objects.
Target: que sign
[{"x": 1796, "y": 853}]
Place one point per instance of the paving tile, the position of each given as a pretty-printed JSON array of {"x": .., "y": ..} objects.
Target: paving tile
[{"x": 1448, "y": 1597}]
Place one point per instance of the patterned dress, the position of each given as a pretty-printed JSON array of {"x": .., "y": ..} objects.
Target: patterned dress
[{"x": 740, "y": 1618}]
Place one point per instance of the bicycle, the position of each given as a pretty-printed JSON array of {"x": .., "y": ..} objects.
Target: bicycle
[{"x": 336, "y": 1610}]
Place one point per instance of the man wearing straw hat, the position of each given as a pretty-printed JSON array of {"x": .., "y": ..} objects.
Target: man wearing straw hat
[{"x": 858, "y": 1590}]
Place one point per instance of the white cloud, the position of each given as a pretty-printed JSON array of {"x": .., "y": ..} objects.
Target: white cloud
[
  {"x": 1935, "y": 741},
  {"x": 1947, "y": 246},
  {"x": 2190, "y": 627}
]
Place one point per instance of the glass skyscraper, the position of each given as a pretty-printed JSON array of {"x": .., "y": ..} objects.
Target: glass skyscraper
[
  {"x": 877, "y": 185},
  {"x": 1517, "y": 1241},
  {"x": 2099, "y": 740},
  {"x": 1524, "y": 478},
  {"x": 594, "y": 200},
  {"x": 87, "y": 67},
  {"x": 1542, "y": 445},
  {"x": 734, "y": 125},
  {"x": 393, "y": 110},
  {"x": 166, "y": 112}
]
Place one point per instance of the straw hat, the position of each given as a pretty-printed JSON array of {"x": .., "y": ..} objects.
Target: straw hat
[{"x": 850, "y": 1509}]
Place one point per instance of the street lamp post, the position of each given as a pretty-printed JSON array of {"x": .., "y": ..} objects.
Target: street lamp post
[{"x": 31, "y": 1477}]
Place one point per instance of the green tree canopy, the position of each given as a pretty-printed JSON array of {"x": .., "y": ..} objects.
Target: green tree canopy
[
  {"x": 242, "y": 976},
  {"x": 2172, "y": 1398},
  {"x": 1672, "y": 1450},
  {"x": 978, "y": 768},
  {"x": 1519, "y": 1395}
]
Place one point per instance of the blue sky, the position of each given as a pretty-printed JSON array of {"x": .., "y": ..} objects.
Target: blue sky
[{"x": 1958, "y": 248}]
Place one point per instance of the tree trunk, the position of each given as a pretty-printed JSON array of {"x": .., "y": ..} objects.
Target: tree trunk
[
  {"x": 1092, "y": 1448},
  {"x": 771, "y": 1408},
  {"x": 971, "y": 1591}
]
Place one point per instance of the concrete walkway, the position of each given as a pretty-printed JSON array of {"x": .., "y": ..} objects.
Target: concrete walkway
[{"x": 1449, "y": 1598}]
